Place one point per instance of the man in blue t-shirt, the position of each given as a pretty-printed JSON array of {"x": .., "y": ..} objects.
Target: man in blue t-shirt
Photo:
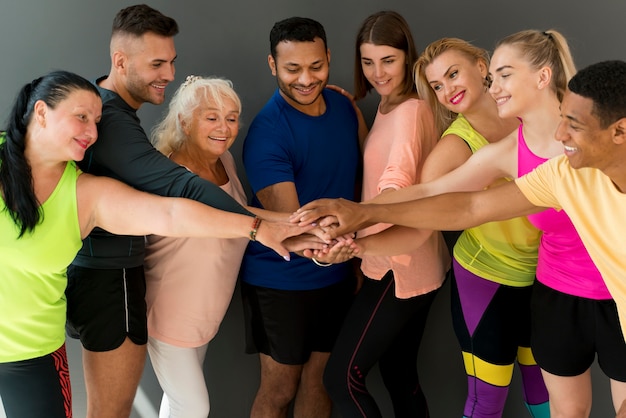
[{"x": 303, "y": 145}]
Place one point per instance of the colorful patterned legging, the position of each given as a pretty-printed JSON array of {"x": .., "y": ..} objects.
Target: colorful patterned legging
[
  {"x": 492, "y": 324},
  {"x": 38, "y": 387}
]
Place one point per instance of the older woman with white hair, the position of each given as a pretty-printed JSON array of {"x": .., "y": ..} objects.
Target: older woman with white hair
[{"x": 190, "y": 281}]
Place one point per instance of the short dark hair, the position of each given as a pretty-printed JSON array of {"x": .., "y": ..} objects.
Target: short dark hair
[
  {"x": 605, "y": 84},
  {"x": 299, "y": 29},
  {"x": 139, "y": 19},
  {"x": 385, "y": 28}
]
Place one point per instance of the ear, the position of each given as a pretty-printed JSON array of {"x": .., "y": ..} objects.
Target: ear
[
  {"x": 119, "y": 61},
  {"x": 272, "y": 63},
  {"x": 482, "y": 67},
  {"x": 545, "y": 76},
  {"x": 40, "y": 111},
  {"x": 183, "y": 125},
  {"x": 328, "y": 55},
  {"x": 619, "y": 131}
]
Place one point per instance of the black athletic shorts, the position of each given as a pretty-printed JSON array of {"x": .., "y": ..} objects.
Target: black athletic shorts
[
  {"x": 104, "y": 306},
  {"x": 568, "y": 331},
  {"x": 290, "y": 324}
]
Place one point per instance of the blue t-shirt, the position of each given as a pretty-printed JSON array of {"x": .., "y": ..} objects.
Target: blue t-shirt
[{"x": 320, "y": 155}]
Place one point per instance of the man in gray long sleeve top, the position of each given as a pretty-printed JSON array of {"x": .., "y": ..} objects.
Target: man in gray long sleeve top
[{"x": 106, "y": 289}]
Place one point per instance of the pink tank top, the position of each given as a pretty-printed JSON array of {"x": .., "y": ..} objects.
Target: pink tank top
[{"x": 564, "y": 263}]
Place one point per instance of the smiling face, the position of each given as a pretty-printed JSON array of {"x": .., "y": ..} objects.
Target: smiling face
[
  {"x": 69, "y": 128},
  {"x": 384, "y": 67},
  {"x": 213, "y": 128},
  {"x": 149, "y": 68},
  {"x": 514, "y": 85},
  {"x": 301, "y": 71},
  {"x": 585, "y": 142},
  {"x": 458, "y": 82}
]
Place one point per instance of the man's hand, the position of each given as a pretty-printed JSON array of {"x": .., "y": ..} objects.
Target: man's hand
[{"x": 350, "y": 216}]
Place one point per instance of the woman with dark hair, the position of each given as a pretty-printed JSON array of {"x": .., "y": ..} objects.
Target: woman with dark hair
[
  {"x": 387, "y": 319},
  {"x": 47, "y": 207}
]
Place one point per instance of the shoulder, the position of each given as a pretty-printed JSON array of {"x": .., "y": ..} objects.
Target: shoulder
[{"x": 336, "y": 99}]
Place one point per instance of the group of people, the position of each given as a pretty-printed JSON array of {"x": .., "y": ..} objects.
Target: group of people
[{"x": 157, "y": 230}]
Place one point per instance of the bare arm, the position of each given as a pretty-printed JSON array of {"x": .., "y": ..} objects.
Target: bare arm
[
  {"x": 455, "y": 211},
  {"x": 488, "y": 164},
  {"x": 120, "y": 209},
  {"x": 450, "y": 211},
  {"x": 279, "y": 197}
]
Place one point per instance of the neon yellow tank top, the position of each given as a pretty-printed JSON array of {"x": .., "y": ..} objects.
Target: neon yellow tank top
[
  {"x": 33, "y": 274},
  {"x": 504, "y": 252}
]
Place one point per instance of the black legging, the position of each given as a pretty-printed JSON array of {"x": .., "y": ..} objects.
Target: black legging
[
  {"x": 379, "y": 328},
  {"x": 37, "y": 388}
]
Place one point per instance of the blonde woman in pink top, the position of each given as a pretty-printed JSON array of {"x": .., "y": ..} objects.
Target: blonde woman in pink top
[
  {"x": 190, "y": 281},
  {"x": 387, "y": 319}
]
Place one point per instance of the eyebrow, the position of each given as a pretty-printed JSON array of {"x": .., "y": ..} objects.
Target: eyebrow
[
  {"x": 295, "y": 64},
  {"x": 161, "y": 60},
  {"x": 570, "y": 117},
  {"x": 504, "y": 67},
  {"x": 444, "y": 74}
]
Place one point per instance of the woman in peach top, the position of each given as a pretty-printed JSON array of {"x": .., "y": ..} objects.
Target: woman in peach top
[
  {"x": 387, "y": 319},
  {"x": 190, "y": 281}
]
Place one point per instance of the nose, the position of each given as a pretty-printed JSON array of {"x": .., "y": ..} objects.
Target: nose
[
  {"x": 168, "y": 72},
  {"x": 306, "y": 78},
  {"x": 223, "y": 124},
  {"x": 560, "y": 134},
  {"x": 379, "y": 71},
  {"x": 92, "y": 131},
  {"x": 494, "y": 87},
  {"x": 448, "y": 88}
]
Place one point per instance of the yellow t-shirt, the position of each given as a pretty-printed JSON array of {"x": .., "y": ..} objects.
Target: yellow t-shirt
[{"x": 596, "y": 209}]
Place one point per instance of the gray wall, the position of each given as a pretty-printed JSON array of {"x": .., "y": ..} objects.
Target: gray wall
[{"x": 230, "y": 39}]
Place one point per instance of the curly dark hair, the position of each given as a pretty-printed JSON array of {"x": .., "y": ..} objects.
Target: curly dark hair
[{"x": 605, "y": 84}]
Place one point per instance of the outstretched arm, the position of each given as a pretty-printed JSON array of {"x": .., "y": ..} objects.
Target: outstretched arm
[
  {"x": 488, "y": 164},
  {"x": 120, "y": 209},
  {"x": 451, "y": 211}
]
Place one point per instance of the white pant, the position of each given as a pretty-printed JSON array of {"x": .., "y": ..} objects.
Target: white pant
[{"x": 181, "y": 376}]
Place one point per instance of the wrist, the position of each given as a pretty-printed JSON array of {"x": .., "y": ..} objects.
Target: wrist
[
  {"x": 256, "y": 223},
  {"x": 319, "y": 263}
]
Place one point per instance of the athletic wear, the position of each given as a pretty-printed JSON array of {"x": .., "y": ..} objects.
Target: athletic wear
[
  {"x": 494, "y": 265},
  {"x": 320, "y": 155},
  {"x": 568, "y": 331},
  {"x": 290, "y": 324},
  {"x": 104, "y": 306},
  {"x": 190, "y": 281},
  {"x": 32, "y": 299},
  {"x": 592, "y": 202}
]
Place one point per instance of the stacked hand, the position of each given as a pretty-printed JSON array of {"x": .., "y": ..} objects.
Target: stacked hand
[{"x": 335, "y": 217}]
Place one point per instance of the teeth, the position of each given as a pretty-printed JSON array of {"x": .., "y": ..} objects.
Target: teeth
[
  {"x": 457, "y": 98},
  {"x": 157, "y": 86},
  {"x": 570, "y": 149}
]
